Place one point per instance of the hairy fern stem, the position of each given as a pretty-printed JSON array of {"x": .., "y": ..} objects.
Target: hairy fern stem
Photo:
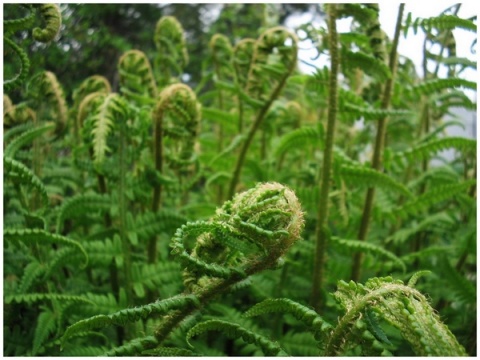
[
  {"x": 379, "y": 147},
  {"x": 321, "y": 237}
]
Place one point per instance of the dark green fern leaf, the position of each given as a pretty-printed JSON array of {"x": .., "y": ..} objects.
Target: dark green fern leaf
[
  {"x": 372, "y": 177},
  {"x": 21, "y": 175},
  {"x": 46, "y": 325},
  {"x": 170, "y": 352},
  {"x": 356, "y": 245},
  {"x": 430, "y": 87},
  {"x": 37, "y": 236},
  {"x": 26, "y": 138},
  {"x": 82, "y": 204},
  {"x": 298, "y": 139},
  {"x": 235, "y": 331},
  {"x": 30, "y": 298},
  {"x": 134, "y": 347},
  {"x": 125, "y": 316}
]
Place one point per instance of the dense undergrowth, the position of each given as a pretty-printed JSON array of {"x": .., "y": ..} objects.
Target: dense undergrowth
[{"x": 143, "y": 217}]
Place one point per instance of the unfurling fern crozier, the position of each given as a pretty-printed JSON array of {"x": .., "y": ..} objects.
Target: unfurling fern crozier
[{"x": 248, "y": 234}]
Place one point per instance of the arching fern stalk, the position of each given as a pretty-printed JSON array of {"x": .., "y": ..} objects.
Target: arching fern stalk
[{"x": 266, "y": 81}]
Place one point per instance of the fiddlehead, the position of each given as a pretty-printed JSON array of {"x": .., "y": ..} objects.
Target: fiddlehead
[
  {"x": 53, "y": 21},
  {"x": 274, "y": 59},
  {"x": 172, "y": 56},
  {"x": 400, "y": 305},
  {"x": 48, "y": 92},
  {"x": 266, "y": 219},
  {"x": 136, "y": 76},
  {"x": 177, "y": 112},
  {"x": 242, "y": 60}
]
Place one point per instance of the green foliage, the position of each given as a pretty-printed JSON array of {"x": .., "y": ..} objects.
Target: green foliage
[
  {"x": 164, "y": 197},
  {"x": 235, "y": 331}
]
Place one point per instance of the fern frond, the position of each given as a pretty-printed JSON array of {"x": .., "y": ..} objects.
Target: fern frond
[
  {"x": 242, "y": 59},
  {"x": 372, "y": 177},
  {"x": 13, "y": 25},
  {"x": 84, "y": 351},
  {"x": 134, "y": 347},
  {"x": 170, "y": 352},
  {"x": 443, "y": 22},
  {"x": 426, "y": 149},
  {"x": 46, "y": 325},
  {"x": 92, "y": 84},
  {"x": 26, "y": 138},
  {"x": 464, "y": 290},
  {"x": 125, "y": 316},
  {"x": 53, "y": 22},
  {"x": 21, "y": 175},
  {"x": 436, "y": 222},
  {"x": 369, "y": 113},
  {"x": 433, "y": 196},
  {"x": 430, "y": 87},
  {"x": 172, "y": 55},
  {"x": 368, "y": 247},
  {"x": 403, "y": 307},
  {"x": 308, "y": 316},
  {"x": 101, "y": 253},
  {"x": 82, "y": 204},
  {"x": 371, "y": 65},
  {"x": 31, "y": 298},
  {"x": 112, "y": 110},
  {"x": 298, "y": 138},
  {"x": 148, "y": 224},
  {"x": 33, "y": 271},
  {"x": 156, "y": 276},
  {"x": 299, "y": 344},
  {"x": 37, "y": 236},
  {"x": 235, "y": 331},
  {"x": 136, "y": 74}
]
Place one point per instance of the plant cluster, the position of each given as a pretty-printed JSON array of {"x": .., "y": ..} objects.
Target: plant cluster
[{"x": 144, "y": 214}]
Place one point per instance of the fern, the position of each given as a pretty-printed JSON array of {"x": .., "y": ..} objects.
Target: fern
[
  {"x": 26, "y": 138},
  {"x": 369, "y": 113},
  {"x": 298, "y": 138},
  {"x": 112, "y": 109},
  {"x": 134, "y": 347},
  {"x": 30, "y": 298},
  {"x": 235, "y": 331},
  {"x": 463, "y": 290},
  {"x": 53, "y": 21},
  {"x": 33, "y": 271},
  {"x": 136, "y": 76},
  {"x": 37, "y": 236},
  {"x": 371, "y": 177},
  {"x": 400, "y": 305},
  {"x": 46, "y": 324},
  {"x": 356, "y": 245},
  {"x": 431, "y": 197},
  {"x": 308, "y": 316},
  {"x": 442, "y": 22},
  {"x": 125, "y": 316},
  {"x": 299, "y": 344},
  {"x": 81, "y": 204},
  {"x": 21, "y": 175},
  {"x": 169, "y": 351},
  {"x": 426, "y": 149},
  {"x": 433, "y": 86},
  {"x": 149, "y": 224},
  {"x": 369, "y": 64}
]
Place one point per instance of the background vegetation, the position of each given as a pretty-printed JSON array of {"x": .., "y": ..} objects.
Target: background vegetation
[{"x": 144, "y": 148}]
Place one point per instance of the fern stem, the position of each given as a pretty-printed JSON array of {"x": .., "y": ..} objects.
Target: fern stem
[
  {"x": 204, "y": 295},
  {"x": 127, "y": 262},
  {"x": 379, "y": 146},
  {"x": 322, "y": 211},
  {"x": 157, "y": 189},
  {"x": 251, "y": 133}
]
